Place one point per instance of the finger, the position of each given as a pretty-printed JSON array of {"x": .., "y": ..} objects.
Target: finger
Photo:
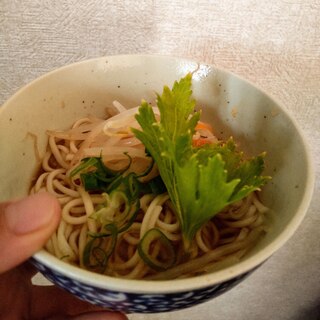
[
  {"x": 25, "y": 226},
  {"x": 97, "y": 315},
  {"x": 56, "y": 303},
  {"x": 100, "y": 315},
  {"x": 52, "y": 300}
]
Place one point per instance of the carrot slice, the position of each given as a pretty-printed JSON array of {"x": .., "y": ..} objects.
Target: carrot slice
[
  {"x": 200, "y": 142},
  {"x": 203, "y": 126}
]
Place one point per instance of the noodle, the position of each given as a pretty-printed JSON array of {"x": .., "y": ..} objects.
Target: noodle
[{"x": 221, "y": 241}]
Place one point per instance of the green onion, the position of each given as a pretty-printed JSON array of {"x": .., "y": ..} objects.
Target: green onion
[
  {"x": 89, "y": 181},
  {"x": 157, "y": 185},
  {"x": 97, "y": 177},
  {"x": 98, "y": 250},
  {"x": 85, "y": 164},
  {"x": 126, "y": 206},
  {"x": 166, "y": 257},
  {"x": 148, "y": 170}
]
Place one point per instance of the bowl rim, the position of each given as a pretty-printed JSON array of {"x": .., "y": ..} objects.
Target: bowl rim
[{"x": 193, "y": 283}]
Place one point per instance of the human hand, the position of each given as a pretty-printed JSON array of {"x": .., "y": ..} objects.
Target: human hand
[{"x": 25, "y": 226}]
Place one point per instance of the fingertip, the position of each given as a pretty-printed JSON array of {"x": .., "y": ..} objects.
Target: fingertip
[
  {"x": 38, "y": 211},
  {"x": 50, "y": 203},
  {"x": 25, "y": 227},
  {"x": 96, "y": 315}
]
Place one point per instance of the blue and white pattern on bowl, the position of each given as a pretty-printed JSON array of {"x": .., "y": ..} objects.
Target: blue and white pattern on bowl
[{"x": 137, "y": 302}]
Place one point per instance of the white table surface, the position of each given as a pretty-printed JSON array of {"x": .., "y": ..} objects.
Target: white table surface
[{"x": 274, "y": 44}]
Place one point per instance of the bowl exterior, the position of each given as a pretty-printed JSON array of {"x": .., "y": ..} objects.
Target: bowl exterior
[{"x": 136, "y": 302}]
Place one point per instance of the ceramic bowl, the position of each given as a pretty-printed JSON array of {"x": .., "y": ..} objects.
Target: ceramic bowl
[{"x": 233, "y": 106}]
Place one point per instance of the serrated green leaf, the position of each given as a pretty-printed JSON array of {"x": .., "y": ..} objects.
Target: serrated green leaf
[{"x": 200, "y": 181}]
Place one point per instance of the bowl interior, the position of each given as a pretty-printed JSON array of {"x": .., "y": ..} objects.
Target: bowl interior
[{"x": 233, "y": 106}]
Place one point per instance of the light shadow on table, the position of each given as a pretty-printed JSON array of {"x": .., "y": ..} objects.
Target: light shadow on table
[{"x": 311, "y": 313}]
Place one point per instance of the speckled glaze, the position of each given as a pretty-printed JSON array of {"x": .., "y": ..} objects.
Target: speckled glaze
[
  {"x": 233, "y": 106},
  {"x": 136, "y": 302}
]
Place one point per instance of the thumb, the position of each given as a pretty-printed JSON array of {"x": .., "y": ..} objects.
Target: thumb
[
  {"x": 25, "y": 226},
  {"x": 100, "y": 315},
  {"x": 94, "y": 315}
]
